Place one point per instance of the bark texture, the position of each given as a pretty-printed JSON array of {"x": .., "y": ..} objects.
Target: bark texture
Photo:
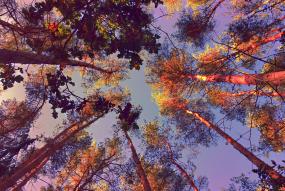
[{"x": 273, "y": 78}]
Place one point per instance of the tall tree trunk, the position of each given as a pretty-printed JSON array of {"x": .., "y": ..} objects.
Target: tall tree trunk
[
  {"x": 180, "y": 168},
  {"x": 140, "y": 170},
  {"x": 274, "y": 175},
  {"x": 38, "y": 159},
  {"x": 273, "y": 78}
]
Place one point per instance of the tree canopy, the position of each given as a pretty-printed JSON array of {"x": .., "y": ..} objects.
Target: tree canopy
[{"x": 216, "y": 76}]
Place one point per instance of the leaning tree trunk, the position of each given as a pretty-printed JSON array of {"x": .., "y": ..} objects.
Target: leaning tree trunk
[
  {"x": 140, "y": 170},
  {"x": 273, "y": 174},
  {"x": 256, "y": 92},
  {"x": 183, "y": 172},
  {"x": 273, "y": 78},
  {"x": 39, "y": 158}
]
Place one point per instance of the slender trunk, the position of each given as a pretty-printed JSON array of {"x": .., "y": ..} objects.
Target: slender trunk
[
  {"x": 186, "y": 175},
  {"x": 140, "y": 170},
  {"x": 274, "y": 175},
  {"x": 273, "y": 78},
  {"x": 256, "y": 92},
  {"x": 38, "y": 159},
  {"x": 214, "y": 9},
  {"x": 21, "y": 57},
  {"x": 180, "y": 168}
]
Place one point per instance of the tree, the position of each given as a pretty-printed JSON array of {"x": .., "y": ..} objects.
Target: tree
[
  {"x": 161, "y": 177},
  {"x": 127, "y": 121},
  {"x": 40, "y": 157},
  {"x": 183, "y": 79},
  {"x": 157, "y": 140},
  {"x": 236, "y": 70},
  {"x": 176, "y": 106},
  {"x": 69, "y": 37},
  {"x": 90, "y": 167},
  {"x": 57, "y": 38}
]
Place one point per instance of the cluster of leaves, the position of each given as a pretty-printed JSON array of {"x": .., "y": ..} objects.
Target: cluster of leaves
[
  {"x": 57, "y": 98},
  {"x": 9, "y": 76},
  {"x": 128, "y": 116},
  {"x": 61, "y": 97}
]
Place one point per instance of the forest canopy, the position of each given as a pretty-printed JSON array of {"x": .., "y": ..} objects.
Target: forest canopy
[{"x": 215, "y": 69}]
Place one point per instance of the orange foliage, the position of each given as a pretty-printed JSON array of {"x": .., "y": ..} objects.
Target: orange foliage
[
  {"x": 53, "y": 27},
  {"x": 170, "y": 73},
  {"x": 86, "y": 164}
]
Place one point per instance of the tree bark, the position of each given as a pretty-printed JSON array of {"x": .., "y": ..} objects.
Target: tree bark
[
  {"x": 273, "y": 78},
  {"x": 180, "y": 168},
  {"x": 21, "y": 57},
  {"x": 255, "y": 92},
  {"x": 273, "y": 174},
  {"x": 140, "y": 170},
  {"x": 38, "y": 159}
]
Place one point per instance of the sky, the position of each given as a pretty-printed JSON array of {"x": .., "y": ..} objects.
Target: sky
[{"x": 218, "y": 163}]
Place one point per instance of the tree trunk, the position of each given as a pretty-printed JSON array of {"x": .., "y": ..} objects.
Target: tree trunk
[
  {"x": 38, "y": 159},
  {"x": 274, "y": 175},
  {"x": 273, "y": 78},
  {"x": 140, "y": 170},
  {"x": 255, "y": 92},
  {"x": 180, "y": 168},
  {"x": 186, "y": 175},
  {"x": 21, "y": 57}
]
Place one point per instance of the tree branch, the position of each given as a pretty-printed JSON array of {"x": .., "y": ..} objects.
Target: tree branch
[{"x": 21, "y": 57}]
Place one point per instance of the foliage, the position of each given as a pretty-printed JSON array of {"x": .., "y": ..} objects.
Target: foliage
[{"x": 223, "y": 68}]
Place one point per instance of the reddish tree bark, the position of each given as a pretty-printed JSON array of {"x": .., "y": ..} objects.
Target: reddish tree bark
[
  {"x": 273, "y": 78},
  {"x": 273, "y": 174},
  {"x": 38, "y": 159},
  {"x": 256, "y": 92},
  {"x": 140, "y": 170}
]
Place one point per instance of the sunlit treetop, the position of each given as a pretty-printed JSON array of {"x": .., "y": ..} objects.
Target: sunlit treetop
[{"x": 176, "y": 6}]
